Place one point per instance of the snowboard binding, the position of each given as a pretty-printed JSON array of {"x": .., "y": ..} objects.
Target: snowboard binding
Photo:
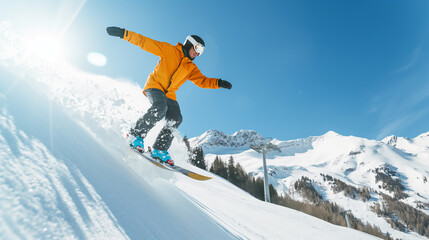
[{"x": 162, "y": 156}]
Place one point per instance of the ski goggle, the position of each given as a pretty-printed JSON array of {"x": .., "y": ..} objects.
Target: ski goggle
[{"x": 198, "y": 47}]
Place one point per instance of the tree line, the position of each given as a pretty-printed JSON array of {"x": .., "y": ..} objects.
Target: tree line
[
  {"x": 352, "y": 192},
  {"x": 390, "y": 181},
  {"x": 402, "y": 216},
  {"x": 316, "y": 206}
]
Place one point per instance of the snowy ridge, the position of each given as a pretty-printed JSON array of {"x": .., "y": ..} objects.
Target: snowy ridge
[
  {"x": 67, "y": 173},
  {"x": 240, "y": 139},
  {"x": 419, "y": 144}
]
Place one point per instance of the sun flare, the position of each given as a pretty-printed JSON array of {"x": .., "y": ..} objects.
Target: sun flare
[{"x": 45, "y": 46}]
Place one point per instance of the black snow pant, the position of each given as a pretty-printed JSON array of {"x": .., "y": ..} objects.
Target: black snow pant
[{"x": 161, "y": 107}]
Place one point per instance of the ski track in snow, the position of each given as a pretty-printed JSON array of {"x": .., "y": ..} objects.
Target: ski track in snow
[{"x": 61, "y": 202}]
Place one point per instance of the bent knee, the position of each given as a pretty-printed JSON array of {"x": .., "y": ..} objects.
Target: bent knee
[
  {"x": 175, "y": 121},
  {"x": 158, "y": 110},
  {"x": 179, "y": 120}
]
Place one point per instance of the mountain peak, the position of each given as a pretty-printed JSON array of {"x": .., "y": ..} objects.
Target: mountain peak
[
  {"x": 331, "y": 134},
  {"x": 390, "y": 140},
  {"x": 423, "y": 135},
  {"x": 423, "y": 140}
]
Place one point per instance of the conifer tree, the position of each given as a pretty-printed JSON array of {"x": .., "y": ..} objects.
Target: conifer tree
[
  {"x": 232, "y": 171},
  {"x": 190, "y": 151},
  {"x": 259, "y": 188},
  {"x": 188, "y": 145},
  {"x": 242, "y": 178},
  {"x": 274, "y": 196},
  {"x": 219, "y": 168},
  {"x": 198, "y": 158}
]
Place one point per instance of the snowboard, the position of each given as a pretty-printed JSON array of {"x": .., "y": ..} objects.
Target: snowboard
[{"x": 175, "y": 168}]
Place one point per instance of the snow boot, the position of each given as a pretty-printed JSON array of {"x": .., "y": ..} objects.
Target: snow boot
[
  {"x": 162, "y": 156},
  {"x": 137, "y": 143}
]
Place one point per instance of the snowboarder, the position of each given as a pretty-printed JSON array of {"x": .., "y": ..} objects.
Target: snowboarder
[{"x": 173, "y": 69}]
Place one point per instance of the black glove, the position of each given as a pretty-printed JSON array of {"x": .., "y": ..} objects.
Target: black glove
[
  {"x": 115, "y": 31},
  {"x": 224, "y": 84}
]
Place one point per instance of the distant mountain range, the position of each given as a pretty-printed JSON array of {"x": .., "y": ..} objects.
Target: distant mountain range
[
  {"x": 395, "y": 167},
  {"x": 240, "y": 139}
]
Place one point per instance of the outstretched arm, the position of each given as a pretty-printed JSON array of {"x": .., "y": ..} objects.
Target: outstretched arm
[
  {"x": 145, "y": 43},
  {"x": 204, "y": 82}
]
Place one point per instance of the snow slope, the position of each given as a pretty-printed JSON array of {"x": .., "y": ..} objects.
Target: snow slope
[
  {"x": 66, "y": 173},
  {"x": 350, "y": 159}
]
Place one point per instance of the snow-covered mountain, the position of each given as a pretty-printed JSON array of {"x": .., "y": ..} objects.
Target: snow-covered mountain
[
  {"x": 417, "y": 145},
  {"x": 214, "y": 140},
  {"x": 66, "y": 172},
  {"x": 385, "y": 166}
]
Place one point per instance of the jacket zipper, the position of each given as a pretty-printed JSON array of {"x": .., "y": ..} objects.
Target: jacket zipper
[{"x": 171, "y": 78}]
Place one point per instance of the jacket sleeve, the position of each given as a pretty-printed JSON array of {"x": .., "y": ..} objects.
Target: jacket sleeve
[
  {"x": 145, "y": 43},
  {"x": 202, "y": 81}
]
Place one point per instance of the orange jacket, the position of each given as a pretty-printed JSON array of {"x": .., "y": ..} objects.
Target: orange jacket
[{"x": 173, "y": 68}]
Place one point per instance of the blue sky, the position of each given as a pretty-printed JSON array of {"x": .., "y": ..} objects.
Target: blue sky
[{"x": 298, "y": 68}]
